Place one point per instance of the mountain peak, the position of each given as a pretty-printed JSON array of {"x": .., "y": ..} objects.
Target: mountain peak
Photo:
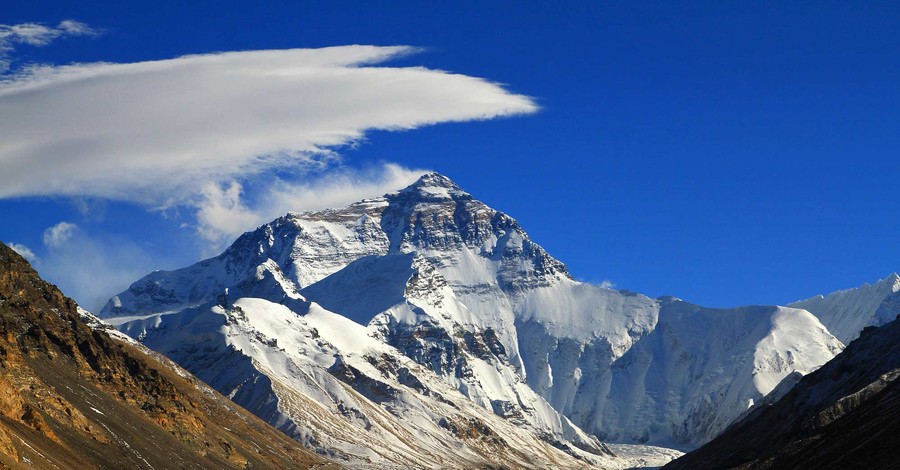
[
  {"x": 434, "y": 179},
  {"x": 434, "y": 185},
  {"x": 894, "y": 281}
]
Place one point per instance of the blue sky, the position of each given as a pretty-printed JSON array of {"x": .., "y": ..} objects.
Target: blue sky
[{"x": 726, "y": 153}]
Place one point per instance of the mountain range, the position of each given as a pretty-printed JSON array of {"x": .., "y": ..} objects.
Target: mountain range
[{"x": 424, "y": 328}]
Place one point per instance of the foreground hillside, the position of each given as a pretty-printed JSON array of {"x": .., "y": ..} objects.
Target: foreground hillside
[
  {"x": 844, "y": 415},
  {"x": 73, "y": 396}
]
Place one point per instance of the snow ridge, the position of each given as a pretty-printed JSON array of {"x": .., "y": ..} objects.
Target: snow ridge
[{"x": 847, "y": 312}]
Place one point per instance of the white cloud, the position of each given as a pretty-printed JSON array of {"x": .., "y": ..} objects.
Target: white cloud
[
  {"x": 165, "y": 132},
  {"x": 37, "y": 34},
  {"x": 607, "y": 284},
  {"x": 59, "y": 234},
  {"x": 91, "y": 268},
  {"x": 74, "y": 28},
  {"x": 24, "y": 251},
  {"x": 223, "y": 214},
  {"x": 212, "y": 136}
]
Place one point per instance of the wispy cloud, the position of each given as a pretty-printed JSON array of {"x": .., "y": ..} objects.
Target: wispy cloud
[
  {"x": 37, "y": 34},
  {"x": 92, "y": 267},
  {"x": 233, "y": 139},
  {"x": 24, "y": 251},
  {"x": 159, "y": 133},
  {"x": 224, "y": 212},
  {"x": 57, "y": 235}
]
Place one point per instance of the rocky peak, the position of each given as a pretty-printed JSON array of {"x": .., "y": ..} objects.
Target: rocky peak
[
  {"x": 433, "y": 217},
  {"x": 435, "y": 213},
  {"x": 433, "y": 182},
  {"x": 432, "y": 192},
  {"x": 894, "y": 281}
]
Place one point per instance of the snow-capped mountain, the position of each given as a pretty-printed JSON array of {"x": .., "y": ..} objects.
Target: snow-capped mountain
[
  {"x": 456, "y": 294},
  {"x": 846, "y": 312},
  {"x": 844, "y": 415},
  {"x": 286, "y": 354}
]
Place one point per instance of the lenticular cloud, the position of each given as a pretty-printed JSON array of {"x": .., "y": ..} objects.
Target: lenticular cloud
[{"x": 156, "y": 132}]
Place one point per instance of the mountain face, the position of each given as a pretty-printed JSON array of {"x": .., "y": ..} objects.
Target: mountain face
[
  {"x": 844, "y": 415},
  {"x": 74, "y": 395},
  {"x": 845, "y": 313},
  {"x": 436, "y": 285}
]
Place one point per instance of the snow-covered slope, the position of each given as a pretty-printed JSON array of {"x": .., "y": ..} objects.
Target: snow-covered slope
[
  {"x": 461, "y": 290},
  {"x": 847, "y": 312},
  {"x": 844, "y": 415},
  {"x": 681, "y": 382},
  {"x": 322, "y": 379}
]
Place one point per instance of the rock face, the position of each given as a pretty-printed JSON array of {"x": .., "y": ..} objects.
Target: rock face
[
  {"x": 74, "y": 395},
  {"x": 844, "y": 415},
  {"x": 458, "y": 292}
]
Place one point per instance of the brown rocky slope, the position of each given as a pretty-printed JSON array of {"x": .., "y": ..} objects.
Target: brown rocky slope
[{"x": 73, "y": 396}]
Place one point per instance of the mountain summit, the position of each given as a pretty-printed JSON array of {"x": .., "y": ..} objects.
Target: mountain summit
[
  {"x": 433, "y": 183},
  {"x": 435, "y": 285},
  {"x": 259, "y": 324}
]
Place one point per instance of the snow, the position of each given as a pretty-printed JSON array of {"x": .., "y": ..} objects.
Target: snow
[
  {"x": 583, "y": 312},
  {"x": 297, "y": 351},
  {"x": 436, "y": 193},
  {"x": 641, "y": 456},
  {"x": 794, "y": 344},
  {"x": 430, "y": 278},
  {"x": 365, "y": 287},
  {"x": 846, "y": 312}
]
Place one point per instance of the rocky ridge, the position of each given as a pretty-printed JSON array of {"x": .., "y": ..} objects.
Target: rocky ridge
[{"x": 76, "y": 395}]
